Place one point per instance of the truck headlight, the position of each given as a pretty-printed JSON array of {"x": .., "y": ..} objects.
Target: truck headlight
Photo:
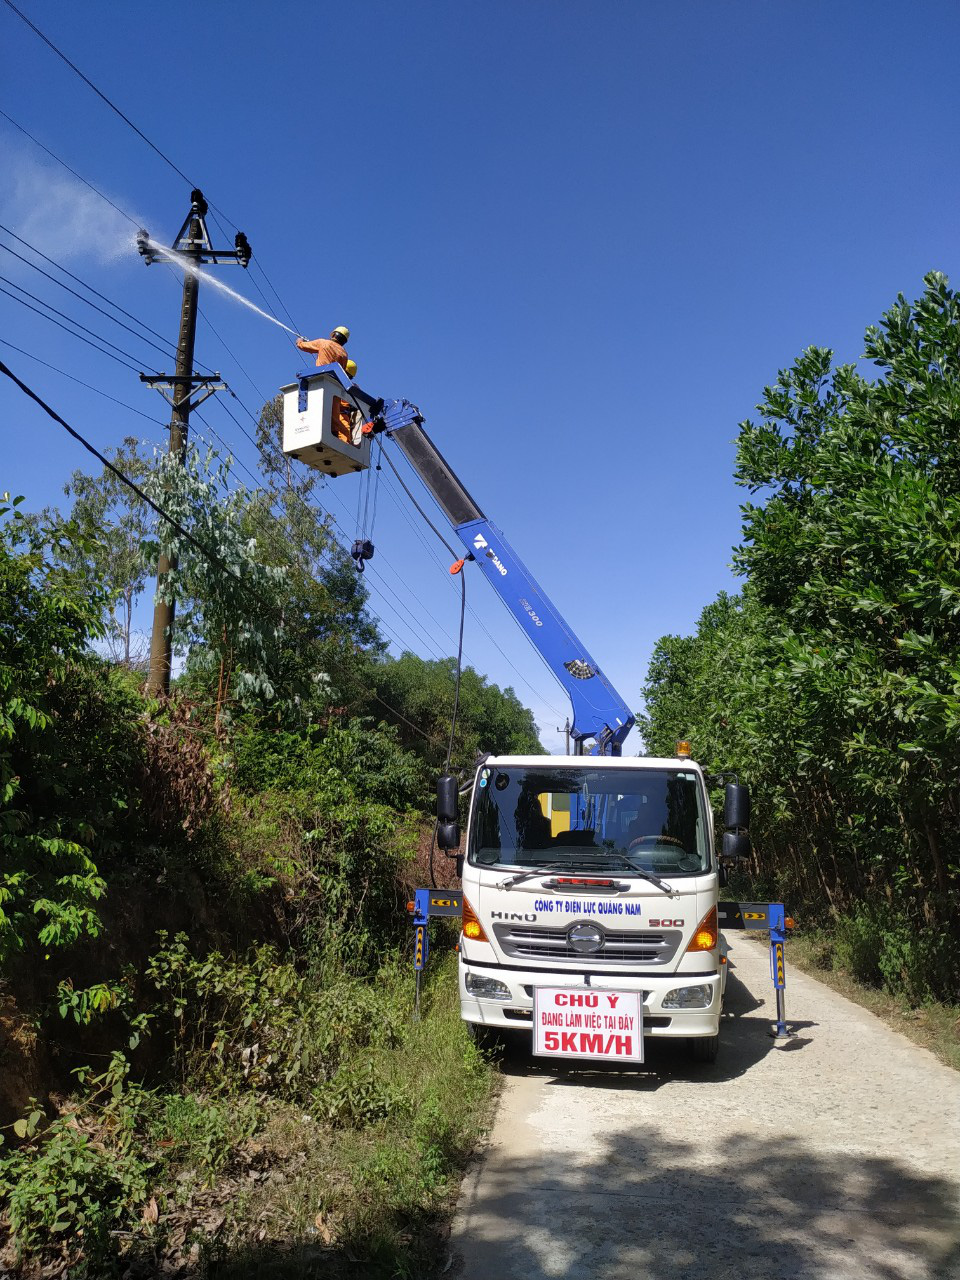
[
  {"x": 489, "y": 988},
  {"x": 688, "y": 998}
]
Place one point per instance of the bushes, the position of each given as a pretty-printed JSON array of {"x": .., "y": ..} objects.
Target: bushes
[
  {"x": 337, "y": 854},
  {"x": 366, "y": 1112},
  {"x": 368, "y": 758},
  {"x": 80, "y": 1178},
  {"x": 257, "y": 1021},
  {"x": 272, "y": 1000},
  {"x": 858, "y": 945},
  {"x": 879, "y": 946}
]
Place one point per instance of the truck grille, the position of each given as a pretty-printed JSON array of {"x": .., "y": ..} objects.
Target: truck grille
[{"x": 528, "y": 942}]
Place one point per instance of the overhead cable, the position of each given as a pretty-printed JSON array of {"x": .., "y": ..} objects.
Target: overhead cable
[
  {"x": 79, "y": 176},
  {"x": 135, "y": 222},
  {"x": 100, "y": 94},
  {"x": 473, "y": 613},
  {"x": 89, "y": 343},
  {"x": 96, "y": 292},
  {"x": 403, "y": 486},
  {"x": 164, "y": 351},
  {"x": 64, "y": 316},
  {"x": 209, "y": 555},
  {"x": 125, "y": 479},
  {"x": 122, "y": 403}
]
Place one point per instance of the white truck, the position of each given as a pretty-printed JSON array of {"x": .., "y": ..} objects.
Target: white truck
[{"x": 588, "y": 875}]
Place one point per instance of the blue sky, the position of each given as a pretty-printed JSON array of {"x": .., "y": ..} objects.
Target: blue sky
[{"x": 581, "y": 237}]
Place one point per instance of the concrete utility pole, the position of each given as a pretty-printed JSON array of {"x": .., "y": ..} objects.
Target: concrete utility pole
[
  {"x": 193, "y": 244},
  {"x": 566, "y": 732}
]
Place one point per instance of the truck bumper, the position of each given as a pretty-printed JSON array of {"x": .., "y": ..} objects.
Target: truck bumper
[{"x": 515, "y": 1012}]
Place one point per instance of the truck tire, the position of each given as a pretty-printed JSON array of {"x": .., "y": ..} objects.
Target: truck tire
[{"x": 705, "y": 1048}]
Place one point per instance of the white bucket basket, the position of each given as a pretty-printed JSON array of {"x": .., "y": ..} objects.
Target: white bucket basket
[{"x": 321, "y": 423}]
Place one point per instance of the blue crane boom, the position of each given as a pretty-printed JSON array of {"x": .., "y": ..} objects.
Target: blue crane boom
[
  {"x": 599, "y": 712},
  {"x": 600, "y": 715}
]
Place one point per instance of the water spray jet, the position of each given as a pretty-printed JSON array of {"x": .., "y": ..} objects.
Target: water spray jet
[{"x": 152, "y": 251}]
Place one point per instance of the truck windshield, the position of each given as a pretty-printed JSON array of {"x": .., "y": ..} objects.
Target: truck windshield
[{"x": 578, "y": 819}]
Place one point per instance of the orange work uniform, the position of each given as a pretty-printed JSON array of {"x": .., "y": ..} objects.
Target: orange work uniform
[{"x": 328, "y": 350}]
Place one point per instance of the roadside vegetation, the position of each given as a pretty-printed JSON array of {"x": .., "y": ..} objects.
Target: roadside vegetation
[
  {"x": 932, "y": 1024},
  {"x": 831, "y": 684},
  {"x": 209, "y": 1061}
]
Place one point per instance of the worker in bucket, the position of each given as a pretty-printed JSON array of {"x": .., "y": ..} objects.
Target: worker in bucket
[{"x": 330, "y": 350}]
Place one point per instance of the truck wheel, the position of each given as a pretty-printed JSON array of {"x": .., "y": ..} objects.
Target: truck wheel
[{"x": 705, "y": 1048}]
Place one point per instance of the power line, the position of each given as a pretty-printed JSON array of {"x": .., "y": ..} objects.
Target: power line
[
  {"x": 164, "y": 351},
  {"x": 64, "y": 316},
  {"x": 381, "y": 588},
  {"x": 384, "y": 559},
  {"x": 89, "y": 343},
  {"x": 473, "y": 613},
  {"x": 132, "y": 220},
  {"x": 123, "y": 405},
  {"x": 423, "y": 734},
  {"x": 257, "y": 264},
  {"x": 219, "y": 337},
  {"x": 100, "y": 94},
  {"x": 78, "y": 176},
  {"x": 96, "y": 292},
  {"x": 283, "y": 307},
  {"x": 213, "y": 558},
  {"x": 378, "y": 587},
  {"x": 316, "y": 511},
  {"x": 156, "y": 149},
  {"x": 426, "y": 518},
  {"x": 414, "y": 623},
  {"x": 209, "y": 555}
]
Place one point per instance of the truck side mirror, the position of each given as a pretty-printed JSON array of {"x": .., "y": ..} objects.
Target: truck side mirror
[
  {"x": 448, "y": 835},
  {"x": 736, "y": 845},
  {"x": 448, "y": 799},
  {"x": 736, "y": 806}
]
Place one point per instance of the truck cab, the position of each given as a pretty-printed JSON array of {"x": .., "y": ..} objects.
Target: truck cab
[{"x": 593, "y": 872}]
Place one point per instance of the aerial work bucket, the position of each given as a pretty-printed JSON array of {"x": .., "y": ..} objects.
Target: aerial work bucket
[{"x": 322, "y": 421}]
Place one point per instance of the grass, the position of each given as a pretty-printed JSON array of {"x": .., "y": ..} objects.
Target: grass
[
  {"x": 931, "y": 1025},
  {"x": 372, "y": 1196},
  {"x": 353, "y": 1171}
]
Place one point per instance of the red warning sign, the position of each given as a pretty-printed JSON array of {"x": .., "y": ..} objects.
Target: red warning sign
[{"x": 588, "y": 1022}]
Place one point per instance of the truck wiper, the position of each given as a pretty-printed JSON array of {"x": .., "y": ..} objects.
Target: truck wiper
[
  {"x": 598, "y": 865},
  {"x": 644, "y": 875},
  {"x": 533, "y": 871}
]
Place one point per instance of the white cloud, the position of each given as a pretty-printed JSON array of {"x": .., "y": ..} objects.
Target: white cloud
[{"x": 58, "y": 214}]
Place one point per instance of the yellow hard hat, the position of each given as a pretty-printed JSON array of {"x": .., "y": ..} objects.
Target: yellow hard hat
[
  {"x": 342, "y": 332},
  {"x": 351, "y": 368}
]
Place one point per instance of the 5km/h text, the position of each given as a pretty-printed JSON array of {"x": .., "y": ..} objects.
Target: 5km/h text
[{"x": 584, "y": 1023}]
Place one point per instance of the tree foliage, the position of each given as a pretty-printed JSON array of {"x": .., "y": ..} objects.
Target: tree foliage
[
  {"x": 833, "y": 683},
  {"x": 228, "y": 620},
  {"x": 115, "y": 524},
  {"x": 417, "y": 696},
  {"x": 49, "y": 883}
]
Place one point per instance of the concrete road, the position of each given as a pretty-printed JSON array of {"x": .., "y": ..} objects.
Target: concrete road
[{"x": 835, "y": 1155}]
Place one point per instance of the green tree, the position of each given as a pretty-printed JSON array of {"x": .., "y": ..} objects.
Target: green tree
[
  {"x": 49, "y": 883},
  {"x": 109, "y": 554},
  {"x": 229, "y": 624},
  {"x": 834, "y": 685},
  {"x": 417, "y": 697},
  {"x": 115, "y": 524}
]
